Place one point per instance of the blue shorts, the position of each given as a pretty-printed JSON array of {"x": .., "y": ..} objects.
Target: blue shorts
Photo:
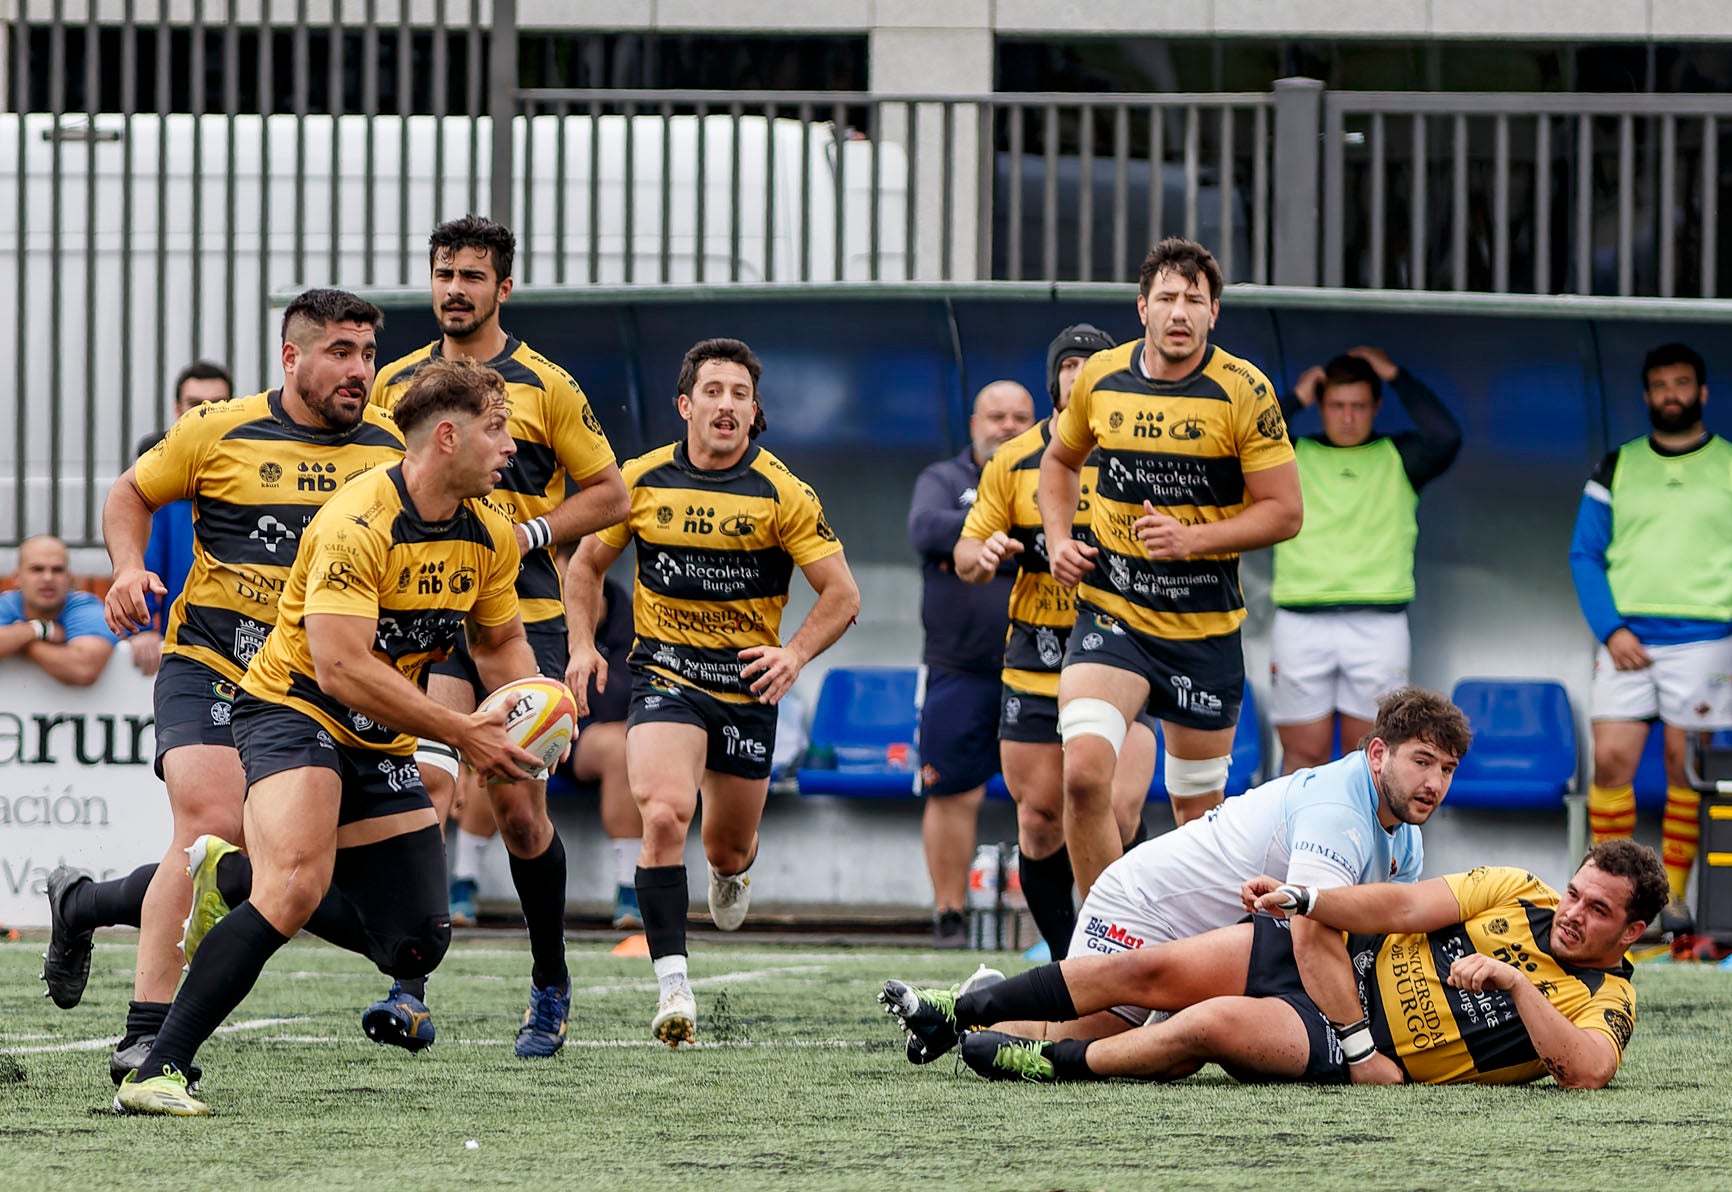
[
  {"x": 1274, "y": 973},
  {"x": 958, "y": 735}
]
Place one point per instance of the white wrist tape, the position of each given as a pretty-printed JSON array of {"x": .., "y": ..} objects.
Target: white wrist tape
[
  {"x": 1356, "y": 1042},
  {"x": 44, "y": 629},
  {"x": 1296, "y": 900},
  {"x": 538, "y": 533}
]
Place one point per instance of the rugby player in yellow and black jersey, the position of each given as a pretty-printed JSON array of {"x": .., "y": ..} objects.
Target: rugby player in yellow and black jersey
[
  {"x": 1005, "y": 521},
  {"x": 720, "y": 525},
  {"x": 560, "y": 446},
  {"x": 1194, "y": 467},
  {"x": 256, "y": 470},
  {"x": 387, "y": 576},
  {"x": 1485, "y": 977}
]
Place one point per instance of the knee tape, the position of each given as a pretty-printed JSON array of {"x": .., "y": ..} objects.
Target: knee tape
[
  {"x": 438, "y": 755},
  {"x": 1188, "y": 779},
  {"x": 1092, "y": 718},
  {"x": 415, "y": 954}
]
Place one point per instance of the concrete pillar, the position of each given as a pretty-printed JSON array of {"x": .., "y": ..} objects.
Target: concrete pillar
[{"x": 915, "y": 49}]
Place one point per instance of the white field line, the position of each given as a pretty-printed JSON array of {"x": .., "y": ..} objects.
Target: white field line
[
  {"x": 251, "y": 1024},
  {"x": 702, "y": 982},
  {"x": 595, "y": 1044}
]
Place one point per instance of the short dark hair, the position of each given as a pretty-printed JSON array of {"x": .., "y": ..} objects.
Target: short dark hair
[
  {"x": 732, "y": 350},
  {"x": 1187, "y": 258},
  {"x": 1649, "y": 889},
  {"x": 478, "y": 232},
  {"x": 1674, "y": 353},
  {"x": 203, "y": 370},
  {"x": 320, "y": 308},
  {"x": 1415, "y": 714},
  {"x": 447, "y": 386},
  {"x": 1351, "y": 370}
]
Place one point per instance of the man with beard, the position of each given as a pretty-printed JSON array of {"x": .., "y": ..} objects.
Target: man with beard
[
  {"x": 1193, "y": 467},
  {"x": 1355, "y": 821},
  {"x": 560, "y": 445},
  {"x": 964, "y": 626},
  {"x": 1485, "y": 977},
  {"x": 256, "y": 470},
  {"x": 1004, "y": 524},
  {"x": 1652, "y": 561}
]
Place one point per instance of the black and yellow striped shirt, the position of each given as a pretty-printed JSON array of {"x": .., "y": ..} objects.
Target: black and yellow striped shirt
[
  {"x": 716, "y": 551},
  {"x": 1443, "y": 1035},
  {"x": 255, "y": 478},
  {"x": 1184, "y": 446},
  {"x": 368, "y": 553},
  {"x": 1042, "y": 610},
  {"x": 559, "y": 439}
]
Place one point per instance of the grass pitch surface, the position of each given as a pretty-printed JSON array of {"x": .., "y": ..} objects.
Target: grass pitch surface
[{"x": 801, "y": 1083}]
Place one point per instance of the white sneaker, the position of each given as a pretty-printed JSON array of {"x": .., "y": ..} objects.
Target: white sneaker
[
  {"x": 676, "y": 1019},
  {"x": 729, "y": 897},
  {"x": 982, "y": 978}
]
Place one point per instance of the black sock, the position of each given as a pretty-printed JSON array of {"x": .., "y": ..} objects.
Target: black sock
[
  {"x": 115, "y": 903},
  {"x": 664, "y": 901},
  {"x": 1039, "y": 995},
  {"x": 540, "y": 883},
  {"x": 143, "y": 1019},
  {"x": 1046, "y": 883},
  {"x": 1070, "y": 1059},
  {"x": 220, "y": 977},
  {"x": 1139, "y": 836},
  {"x": 234, "y": 877},
  {"x": 415, "y": 987}
]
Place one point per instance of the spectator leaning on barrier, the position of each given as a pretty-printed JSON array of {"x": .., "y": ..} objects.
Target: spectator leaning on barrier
[
  {"x": 169, "y": 552},
  {"x": 60, "y": 630},
  {"x": 964, "y": 651},
  {"x": 1652, "y": 562},
  {"x": 1342, "y": 585}
]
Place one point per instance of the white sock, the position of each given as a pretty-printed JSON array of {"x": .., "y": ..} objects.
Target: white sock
[
  {"x": 670, "y": 972},
  {"x": 625, "y": 855},
  {"x": 466, "y": 857}
]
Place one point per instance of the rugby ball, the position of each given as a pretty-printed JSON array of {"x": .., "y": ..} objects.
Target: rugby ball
[{"x": 541, "y": 716}]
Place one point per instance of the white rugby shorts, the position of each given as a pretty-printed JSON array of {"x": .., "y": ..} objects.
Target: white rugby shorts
[
  {"x": 1327, "y": 662},
  {"x": 1689, "y": 686}
]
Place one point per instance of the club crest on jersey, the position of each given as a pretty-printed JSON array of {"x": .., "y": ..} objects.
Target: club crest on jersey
[
  {"x": 664, "y": 515},
  {"x": 1115, "y": 420},
  {"x": 270, "y": 474},
  {"x": 249, "y": 640},
  {"x": 1120, "y": 572},
  {"x": 1046, "y": 645},
  {"x": 1270, "y": 424},
  {"x": 740, "y": 525},
  {"x": 1012, "y": 710}
]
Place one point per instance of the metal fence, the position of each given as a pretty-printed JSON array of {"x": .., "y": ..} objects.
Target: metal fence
[{"x": 167, "y": 176}]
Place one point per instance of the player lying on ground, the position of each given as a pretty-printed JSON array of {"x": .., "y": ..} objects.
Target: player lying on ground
[{"x": 1487, "y": 977}]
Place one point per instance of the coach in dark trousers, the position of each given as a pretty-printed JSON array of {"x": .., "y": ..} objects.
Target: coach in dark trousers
[{"x": 965, "y": 626}]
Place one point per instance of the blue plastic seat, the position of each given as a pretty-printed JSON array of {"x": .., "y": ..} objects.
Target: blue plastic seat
[
  {"x": 1650, "y": 780},
  {"x": 1524, "y": 745},
  {"x": 862, "y": 739}
]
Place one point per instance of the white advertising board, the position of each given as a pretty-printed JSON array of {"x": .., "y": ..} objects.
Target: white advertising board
[{"x": 76, "y": 783}]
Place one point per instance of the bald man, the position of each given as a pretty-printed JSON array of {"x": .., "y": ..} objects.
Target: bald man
[
  {"x": 45, "y": 621},
  {"x": 965, "y": 626}
]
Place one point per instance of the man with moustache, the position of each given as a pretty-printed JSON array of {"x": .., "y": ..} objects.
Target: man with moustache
[
  {"x": 964, "y": 625},
  {"x": 1652, "y": 562},
  {"x": 1354, "y": 821},
  {"x": 1193, "y": 467}
]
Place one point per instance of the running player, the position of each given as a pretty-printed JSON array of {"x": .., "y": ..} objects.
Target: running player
[
  {"x": 558, "y": 440},
  {"x": 1003, "y": 522},
  {"x": 257, "y": 470},
  {"x": 1486, "y": 977},
  {"x": 1194, "y": 467},
  {"x": 330, "y": 708},
  {"x": 1354, "y": 821},
  {"x": 720, "y": 525}
]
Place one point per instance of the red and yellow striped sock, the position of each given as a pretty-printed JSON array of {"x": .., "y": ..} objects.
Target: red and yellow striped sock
[
  {"x": 1681, "y": 832},
  {"x": 1611, "y": 812}
]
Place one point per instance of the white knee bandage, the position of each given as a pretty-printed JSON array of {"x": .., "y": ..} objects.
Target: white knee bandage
[
  {"x": 1092, "y": 718},
  {"x": 437, "y": 755},
  {"x": 1188, "y": 779}
]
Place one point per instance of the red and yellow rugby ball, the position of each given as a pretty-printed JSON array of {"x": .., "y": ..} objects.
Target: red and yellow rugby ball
[{"x": 542, "y": 716}]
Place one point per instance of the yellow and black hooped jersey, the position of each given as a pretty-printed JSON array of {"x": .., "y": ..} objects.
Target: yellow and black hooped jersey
[
  {"x": 255, "y": 479},
  {"x": 369, "y": 554},
  {"x": 715, "y": 554},
  {"x": 1443, "y": 1035},
  {"x": 1042, "y": 610},
  {"x": 558, "y": 439},
  {"x": 1186, "y": 447}
]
